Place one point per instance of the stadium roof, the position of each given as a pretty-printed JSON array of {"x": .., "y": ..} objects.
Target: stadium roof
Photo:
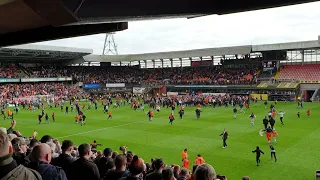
[
  {"x": 53, "y": 54},
  {"x": 41, "y": 54},
  {"x": 26, "y": 21},
  {"x": 173, "y": 54},
  {"x": 239, "y": 50}
]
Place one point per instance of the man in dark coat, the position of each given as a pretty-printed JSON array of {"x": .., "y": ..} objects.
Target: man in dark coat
[
  {"x": 224, "y": 135},
  {"x": 40, "y": 157},
  {"x": 65, "y": 159},
  {"x": 83, "y": 168}
]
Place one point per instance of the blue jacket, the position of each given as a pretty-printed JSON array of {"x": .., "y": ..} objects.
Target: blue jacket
[{"x": 48, "y": 171}]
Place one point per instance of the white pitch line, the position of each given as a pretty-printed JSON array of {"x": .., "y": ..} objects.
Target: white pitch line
[{"x": 109, "y": 127}]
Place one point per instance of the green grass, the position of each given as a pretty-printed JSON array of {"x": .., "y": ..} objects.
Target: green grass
[{"x": 297, "y": 148}]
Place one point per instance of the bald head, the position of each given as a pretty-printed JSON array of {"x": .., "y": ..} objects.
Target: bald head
[
  {"x": 205, "y": 172},
  {"x": 42, "y": 152},
  {"x": 5, "y": 144}
]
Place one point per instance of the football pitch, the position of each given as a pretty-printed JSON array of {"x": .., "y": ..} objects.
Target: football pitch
[{"x": 297, "y": 143}]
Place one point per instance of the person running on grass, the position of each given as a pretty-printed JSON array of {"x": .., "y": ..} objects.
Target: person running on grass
[
  {"x": 258, "y": 154},
  {"x": 273, "y": 153},
  {"x": 171, "y": 119},
  {"x": 235, "y": 110},
  {"x": 281, "y": 113}
]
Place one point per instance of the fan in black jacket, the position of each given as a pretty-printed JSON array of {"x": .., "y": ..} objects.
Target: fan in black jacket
[
  {"x": 224, "y": 135},
  {"x": 258, "y": 153}
]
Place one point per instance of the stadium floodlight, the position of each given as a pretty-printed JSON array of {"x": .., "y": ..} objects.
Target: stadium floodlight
[{"x": 110, "y": 46}]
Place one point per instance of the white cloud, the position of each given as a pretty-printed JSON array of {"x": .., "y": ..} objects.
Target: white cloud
[{"x": 291, "y": 23}]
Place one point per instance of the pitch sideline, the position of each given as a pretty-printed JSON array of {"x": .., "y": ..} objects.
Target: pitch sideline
[{"x": 109, "y": 127}]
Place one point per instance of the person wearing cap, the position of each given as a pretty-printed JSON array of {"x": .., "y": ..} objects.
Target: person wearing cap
[
  {"x": 105, "y": 163},
  {"x": 10, "y": 170},
  {"x": 158, "y": 167}
]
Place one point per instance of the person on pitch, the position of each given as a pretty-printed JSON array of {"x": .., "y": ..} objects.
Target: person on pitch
[
  {"x": 150, "y": 115},
  {"x": 281, "y": 113},
  {"x": 308, "y": 113},
  {"x": 109, "y": 115},
  {"x": 258, "y": 154},
  {"x": 198, "y": 111},
  {"x": 235, "y": 110},
  {"x": 181, "y": 113},
  {"x": 224, "y": 135},
  {"x": 272, "y": 122},
  {"x": 273, "y": 153},
  {"x": 171, "y": 119},
  {"x": 252, "y": 117}
]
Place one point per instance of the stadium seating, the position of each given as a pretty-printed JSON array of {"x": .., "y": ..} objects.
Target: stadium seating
[
  {"x": 306, "y": 72},
  {"x": 136, "y": 75}
]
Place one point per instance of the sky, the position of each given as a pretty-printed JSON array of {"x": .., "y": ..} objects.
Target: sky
[{"x": 284, "y": 24}]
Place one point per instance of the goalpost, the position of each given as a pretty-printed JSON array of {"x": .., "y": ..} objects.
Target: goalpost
[{"x": 49, "y": 99}]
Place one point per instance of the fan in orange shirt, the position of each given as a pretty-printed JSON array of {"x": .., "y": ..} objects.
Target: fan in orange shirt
[
  {"x": 186, "y": 163},
  {"x": 109, "y": 115},
  {"x": 151, "y": 115},
  {"x": 199, "y": 160},
  {"x": 184, "y": 154}
]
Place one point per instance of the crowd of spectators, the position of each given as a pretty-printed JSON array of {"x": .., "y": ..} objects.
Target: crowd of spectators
[
  {"x": 10, "y": 71},
  {"x": 23, "y": 90},
  {"x": 47, "y": 159},
  {"x": 135, "y": 75}
]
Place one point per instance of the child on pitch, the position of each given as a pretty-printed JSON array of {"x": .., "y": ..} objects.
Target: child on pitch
[
  {"x": 252, "y": 117},
  {"x": 198, "y": 111},
  {"x": 181, "y": 113},
  {"x": 171, "y": 119},
  {"x": 241, "y": 107},
  {"x": 158, "y": 108},
  {"x": 308, "y": 113},
  {"x": 150, "y": 115},
  {"x": 258, "y": 154},
  {"x": 298, "y": 114},
  {"x": 47, "y": 118},
  {"x": 83, "y": 119},
  {"x": 274, "y": 134},
  {"x": 40, "y": 118},
  {"x": 109, "y": 115},
  {"x": 235, "y": 112},
  {"x": 53, "y": 115},
  {"x": 281, "y": 113},
  {"x": 273, "y": 153}
]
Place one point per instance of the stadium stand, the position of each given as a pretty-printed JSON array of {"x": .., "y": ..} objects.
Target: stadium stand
[
  {"x": 186, "y": 75},
  {"x": 306, "y": 72}
]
